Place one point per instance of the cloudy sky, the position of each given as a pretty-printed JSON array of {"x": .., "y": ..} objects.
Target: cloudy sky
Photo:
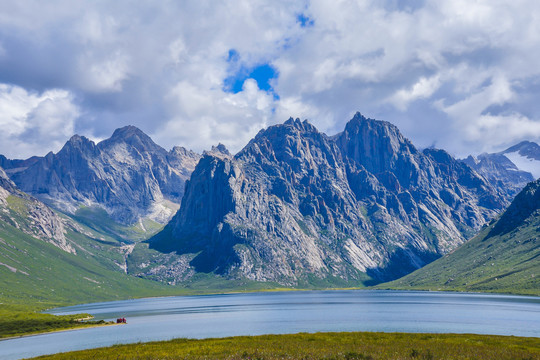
[{"x": 456, "y": 74}]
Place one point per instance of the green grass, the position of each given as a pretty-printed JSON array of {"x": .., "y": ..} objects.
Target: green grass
[
  {"x": 98, "y": 220},
  {"x": 348, "y": 346},
  {"x": 17, "y": 323},
  {"x": 505, "y": 263},
  {"x": 36, "y": 275}
]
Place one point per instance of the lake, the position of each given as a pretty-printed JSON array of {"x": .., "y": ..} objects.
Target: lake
[{"x": 287, "y": 312}]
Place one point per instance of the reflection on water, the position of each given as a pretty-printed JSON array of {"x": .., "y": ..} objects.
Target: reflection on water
[{"x": 288, "y": 312}]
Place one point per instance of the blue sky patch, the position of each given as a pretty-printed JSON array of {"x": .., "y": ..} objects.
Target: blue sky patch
[
  {"x": 262, "y": 74},
  {"x": 304, "y": 20}
]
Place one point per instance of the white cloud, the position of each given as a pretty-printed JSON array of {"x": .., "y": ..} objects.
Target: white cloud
[
  {"x": 209, "y": 116},
  {"x": 423, "y": 88},
  {"x": 105, "y": 75},
  {"x": 33, "y": 122},
  {"x": 436, "y": 70}
]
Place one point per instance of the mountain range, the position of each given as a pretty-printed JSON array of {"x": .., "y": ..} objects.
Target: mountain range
[
  {"x": 511, "y": 169},
  {"x": 295, "y": 207},
  {"x": 127, "y": 175},
  {"x": 503, "y": 257}
]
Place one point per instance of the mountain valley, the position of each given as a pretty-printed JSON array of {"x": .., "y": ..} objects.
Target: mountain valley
[{"x": 294, "y": 208}]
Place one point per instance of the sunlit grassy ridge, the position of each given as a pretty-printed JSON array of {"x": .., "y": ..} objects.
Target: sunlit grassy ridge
[{"x": 373, "y": 346}]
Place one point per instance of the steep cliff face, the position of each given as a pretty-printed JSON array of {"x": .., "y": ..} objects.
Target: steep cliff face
[
  {"x": 503, "y": 257},
  {"x": 30, "y": 215},
  {"x": 296, "y": 205},
  {"x": 128, "y": 175}
]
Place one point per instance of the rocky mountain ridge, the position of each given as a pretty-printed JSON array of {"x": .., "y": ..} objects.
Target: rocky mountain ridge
[
  {"x": 128, "y": 175},
  {"x": 509, "y": 170},
  {"x": 297, "y": 205},
  {"x": 31, "y": 216},
  {"x": 503, "y": 257}
]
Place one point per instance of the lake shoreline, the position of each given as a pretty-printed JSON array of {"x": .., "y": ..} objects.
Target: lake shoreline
[
  {"x": 288, "y": 312},
  {"x": 285, "y": 290},
  {"x": 57, "y": 331}
]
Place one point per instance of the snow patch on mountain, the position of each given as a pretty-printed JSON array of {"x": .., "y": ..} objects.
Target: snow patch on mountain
[{"x": 525, "y": 163}]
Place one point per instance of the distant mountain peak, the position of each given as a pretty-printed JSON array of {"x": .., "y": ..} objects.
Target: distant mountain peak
[
  {"x": 527, "y": 149},
  {"x": 509, "y": 170},
  {"x": 133, "y": 136},
  {"x": 182, "y": 151},
  {"x": 79, "y": 139},
  {"x": 218, "y": 150},
  {"x": 299, "y": 124},
  {"x": 221, "y": 148},
  {"x": 81, "y": 143},
  {"x": 127, "y": 131},
  {"x": 360, "y": 120},
  {"x": 128, "y": 175}
]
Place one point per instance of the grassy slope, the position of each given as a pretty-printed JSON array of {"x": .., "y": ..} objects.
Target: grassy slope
[
  {"x": 97, "y": 219},
  {"x": 35, "y": 275},
  {"x": 325, "y": 346},
  {"x": 507, "y": 262}
]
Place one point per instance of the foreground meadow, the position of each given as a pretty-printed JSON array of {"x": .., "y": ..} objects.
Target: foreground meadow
[{"x": 357, "y": 345}]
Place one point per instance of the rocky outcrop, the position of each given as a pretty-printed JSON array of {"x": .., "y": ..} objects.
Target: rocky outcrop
[
  {"x": 509, "y": 170},
  {"x": 525, "y": 205},
  {"x": 503, "y": 257},
  {"x": 296, "y": 205},
  {"x": 128, "y": 175},
  {"x": 501, "y": 172},
  {"x": 30, "y": 215}
]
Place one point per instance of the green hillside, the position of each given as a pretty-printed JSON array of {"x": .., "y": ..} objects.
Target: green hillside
[
  {"x": 36, "y": 274},
  {"x": 503, "y": 257}
]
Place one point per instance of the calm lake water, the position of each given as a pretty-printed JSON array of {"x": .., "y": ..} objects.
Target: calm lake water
[{"x": 288, "y": 312}]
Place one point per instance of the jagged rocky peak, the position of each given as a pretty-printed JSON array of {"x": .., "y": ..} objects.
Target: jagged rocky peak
[
  {"x": 525, "y": 148},
  {"x": 182, "y": 152},
  {"x": 220, "y": 150},
  {"x": 509, "y": 170},
  {"x": 132, "y": 136},
  {"x": 80, "y": 141},
  {"x": 374, "y": 144},
  {"x": 75, "y": 147},
  {"x": 299, "y": 124},
  {"x": 293, "y": 144},
  {"x": 128, "y": 175},
  {"x": 295, "y": 203},
  {"x": 127, "y": 132}
]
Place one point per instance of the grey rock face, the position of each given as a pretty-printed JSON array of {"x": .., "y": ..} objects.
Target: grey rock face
[
  {"x": 525, "y": 204},
  {"x": 30, "y": 215},
  {"x": 295, "y": 204},
  {"x": 502, "y": 172},
  {"x": 128, "y": 175},
  {"x": 12, "y": 166}
]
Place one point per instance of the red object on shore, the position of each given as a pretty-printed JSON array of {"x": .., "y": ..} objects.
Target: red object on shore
[{"x": 121, "y": 321}]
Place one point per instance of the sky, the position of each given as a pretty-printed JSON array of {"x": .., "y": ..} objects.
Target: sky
[{"x": 454, "y": 74}]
